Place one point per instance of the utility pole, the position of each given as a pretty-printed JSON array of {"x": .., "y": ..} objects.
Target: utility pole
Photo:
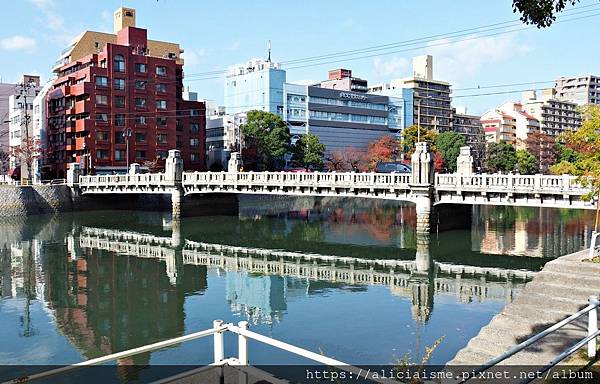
[{"x": 26, "y": 152}]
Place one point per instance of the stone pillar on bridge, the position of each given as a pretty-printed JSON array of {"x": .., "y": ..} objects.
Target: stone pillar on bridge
[
  {"x": 73, "y": 173},
  {"x": 464, "y": 162},
  {"x": 174, "y": 176},
  {"x": 422, "y": 185},
  {"x": 134, "y": 169},
  {"x": 422, "y": 281}
]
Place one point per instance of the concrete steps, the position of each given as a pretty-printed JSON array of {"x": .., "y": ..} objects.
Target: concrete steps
[{"x": 559, "y": 290}]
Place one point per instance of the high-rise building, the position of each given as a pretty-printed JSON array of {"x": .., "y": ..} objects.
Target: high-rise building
[
  {"x": 20, "y": 126},
  {"x": 555, "y": 116},
  {"x": 583, "y": 89},
  {"x": 345, "y": 119},
  {"x": 255, "y": 85},
  {"x": 117, "y": 99},
  {"x": 513, "y": 124},
  {"x": 431, "y": 98},
  {"x": 470, "y": 127},
  {"x": 6, "y": 90}
]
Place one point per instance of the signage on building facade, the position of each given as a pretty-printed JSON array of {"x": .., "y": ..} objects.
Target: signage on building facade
[{"x": 346, "y": 95}]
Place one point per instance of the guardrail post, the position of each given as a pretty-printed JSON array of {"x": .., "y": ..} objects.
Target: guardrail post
[
  {"x": 593, "y": 327},
  {"x": 219, "y": 347},
  {"x": 243, "y": 344}
]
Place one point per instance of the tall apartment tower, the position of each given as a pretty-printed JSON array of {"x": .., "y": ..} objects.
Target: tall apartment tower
[
  {"x": 255, "y": 85},
  {"x": 555, "y": 116},
  {"x": 118, "y": 99},
  {"x": 583, "y": 89}
]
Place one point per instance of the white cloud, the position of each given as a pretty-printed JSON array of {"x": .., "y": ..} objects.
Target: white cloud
[
  {"x": 193, "y": 57},
  {"x": 18, "y": 43},
  {"x": 235, "y": 46},
  {"x": 456, "y": 61},
  {"x": 54, "y": 22},
  {"x": 394, "y": 67}
]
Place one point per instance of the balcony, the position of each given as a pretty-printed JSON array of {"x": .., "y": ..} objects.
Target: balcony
[
  {"x": 82, "y": 106},
  {"x": 80, "y": 89}
]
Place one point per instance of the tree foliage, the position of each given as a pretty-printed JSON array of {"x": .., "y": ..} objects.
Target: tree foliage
[
  {"x": 348, "y": 159},
  {"x": 541, "y": 13},
  {"x": 500, "y": 157},
  {"x": 526, "y": 163},
  {"x": 543, "y": 148},
  {"x": 4, "y": 162},
  {"x": 581, "y": 153},
  {"x": 30, "y": 149},
  {"x": 267, "y": 138},
  {"x": 410, "y": 137},
  {"x": 308, "y": 151},
  {"x": 386, "y": 148},
  {"x": 448, "y": 145}
]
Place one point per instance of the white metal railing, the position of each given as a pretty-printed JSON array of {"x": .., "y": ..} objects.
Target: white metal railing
[
  {"x": 219, "y": 359},
  {"x": 591, "y": 340},
  {"x": 594, "y": 246}
]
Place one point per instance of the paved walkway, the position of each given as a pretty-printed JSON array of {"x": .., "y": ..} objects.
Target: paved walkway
[{"x": 560, "y": 289}]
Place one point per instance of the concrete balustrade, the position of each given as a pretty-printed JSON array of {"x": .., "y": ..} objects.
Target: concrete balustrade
[{"x": 422, "y": 187}]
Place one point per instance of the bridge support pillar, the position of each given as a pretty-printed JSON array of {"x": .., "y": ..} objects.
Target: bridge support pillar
[
  {"x": 176, "y": 198},
  {"x": 174, "y": 176},
  {"x": 422, "y": 185}
]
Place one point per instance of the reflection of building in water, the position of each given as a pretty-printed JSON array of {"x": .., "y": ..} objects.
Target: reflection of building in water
[
  {"x": 528, "y": 231},
  {"x": 262, "y": 299},
  {"x": 105, "y": 303}
]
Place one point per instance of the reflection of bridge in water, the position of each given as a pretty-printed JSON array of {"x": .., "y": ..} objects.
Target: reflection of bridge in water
[{"x": 417, "y": 279}]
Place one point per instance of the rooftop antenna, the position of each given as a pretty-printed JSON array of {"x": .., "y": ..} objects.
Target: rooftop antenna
[{"x": 269, "y": 49}]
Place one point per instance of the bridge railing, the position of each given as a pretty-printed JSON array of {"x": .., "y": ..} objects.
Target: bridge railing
[
  {"x": 126, "y": 180},
  {"x": 561, "y": 183},
  {"x": 300, "y": 179}
]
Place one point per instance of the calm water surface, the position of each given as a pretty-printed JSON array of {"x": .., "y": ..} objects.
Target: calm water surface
[{"x": 78, "y": 286}]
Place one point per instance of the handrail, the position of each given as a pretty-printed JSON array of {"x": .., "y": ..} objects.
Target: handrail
[
  {"x": 217, "y": 331},
  {"x": 590, "y": 340}
]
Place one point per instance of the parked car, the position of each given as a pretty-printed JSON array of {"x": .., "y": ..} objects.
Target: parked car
[{"x": 392, "y": 167}]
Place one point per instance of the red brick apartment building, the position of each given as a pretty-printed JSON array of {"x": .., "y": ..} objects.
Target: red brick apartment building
[{"x": 117, "y": 100}]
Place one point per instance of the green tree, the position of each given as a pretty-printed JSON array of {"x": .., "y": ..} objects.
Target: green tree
[
  {"x": 526, "y": 163},
  {"x": 309, "y": 151},
  {"x": 500, "y": 157},
  {"x": 448, "y": 145},
  {"x": 266, "y": 135},
  {"x": 410, "y": 136},
  {"x": 541, "y": 13},
  {"x": 581, "y": 154}
]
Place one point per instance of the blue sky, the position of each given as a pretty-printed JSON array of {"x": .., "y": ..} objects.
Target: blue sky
[{"x": 217, "y": 34}]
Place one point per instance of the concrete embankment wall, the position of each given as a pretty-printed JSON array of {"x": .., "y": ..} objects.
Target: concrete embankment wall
[{"x": 18, "y": 201}]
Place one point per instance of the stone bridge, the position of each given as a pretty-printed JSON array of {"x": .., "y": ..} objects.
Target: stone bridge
[{"x": 429, "y": 191}]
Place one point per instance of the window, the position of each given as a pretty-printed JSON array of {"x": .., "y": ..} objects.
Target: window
[
  {"x": 102, "y": 136},
  {"x": 161, "y": 154},
  {"x": 161, "y": 121},
  {"x": 140, "y": 154},
  {"x": 161, "y": 104},
  {"x": 194, "y": 128},
  {"x": 119, "y": 101},
  {"x": 102, "y": 81},
  {"x": 140, "y": 120},
  {"x": 194, "y": 157},
  {"x": 140, "y": 68},
  {"x": 161, "y": 88},
  {"x": 195, "y": 112},
  {"x": 161, "y": 138},
  {"x": 161, "y": 71},
  {"x": 140, "y": 84},
  {"x": 140, "y": 137},
  {"x": 119, "y": 63},
  {"x": 140, "y": 102},
  {"x": 102, "y": 117},
  {"x": 101, "y": 100},
  {"x": 194, "y": 142},
  {"x": 119, "y": 155},
  {"x": 120, "y": 120},
  {"x": 119, "y": 84},
  {"x": 101, "y": 154},
  {"x": 119, "y": 137}
]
